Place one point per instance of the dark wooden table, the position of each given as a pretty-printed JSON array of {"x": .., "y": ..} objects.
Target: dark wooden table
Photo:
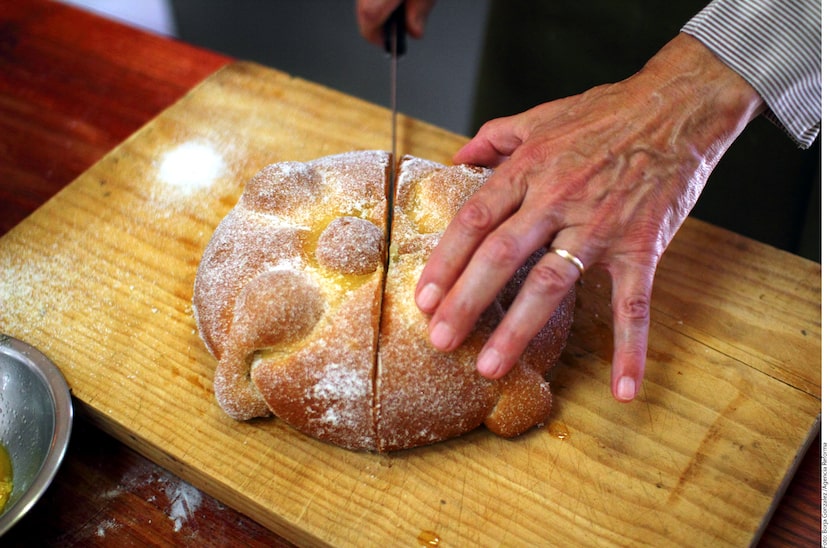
[{"x": 72, "y": 87}]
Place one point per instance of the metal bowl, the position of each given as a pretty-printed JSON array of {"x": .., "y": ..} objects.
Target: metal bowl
[{"x": 35, "y": 423}]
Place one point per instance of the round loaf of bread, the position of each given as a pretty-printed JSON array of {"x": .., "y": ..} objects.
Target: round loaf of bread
[{"x": 294, "y": 299}]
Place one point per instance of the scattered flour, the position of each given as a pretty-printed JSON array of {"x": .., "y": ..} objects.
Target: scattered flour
[
  {"x": 184, "y": 501},
  {"x": 191, "y": 166},
  {"x": 181, "y": 504},
  {"x": 105, "y": 526}
]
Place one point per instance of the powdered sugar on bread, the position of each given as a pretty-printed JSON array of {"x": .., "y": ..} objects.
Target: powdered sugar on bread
[{"x": 265, "y": 297}]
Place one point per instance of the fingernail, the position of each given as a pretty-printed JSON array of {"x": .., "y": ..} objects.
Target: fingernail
[
  {"x": 626, "y": 388},
  {"x": 442, "y": 336},
  {"x": 428, "y": 297},
  {"x": 489, "y": 362}
]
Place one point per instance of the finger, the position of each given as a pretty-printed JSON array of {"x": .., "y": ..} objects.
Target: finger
[
  {"x": 483, "y": 211},
  {"x": 371, "y": 16},
  {"x": 492, "y": 145},
  {"x": 546, "y": 285},
  {"x": 631, "y": 303},
  {"x": 493, "y": 264},
  {"x": 416, "y": 16}
]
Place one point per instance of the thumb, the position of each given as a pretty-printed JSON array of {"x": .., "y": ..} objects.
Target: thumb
[{"x": 492, "y": 145}]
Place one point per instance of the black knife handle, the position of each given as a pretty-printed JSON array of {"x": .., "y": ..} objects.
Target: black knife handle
[{"x": 396, "y": 22}]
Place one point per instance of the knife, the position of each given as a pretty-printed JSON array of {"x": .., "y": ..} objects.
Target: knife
[{"x": 394, "y": 34}]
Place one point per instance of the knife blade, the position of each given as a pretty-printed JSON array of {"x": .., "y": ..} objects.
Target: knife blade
[{"x": 394, "y": 31}]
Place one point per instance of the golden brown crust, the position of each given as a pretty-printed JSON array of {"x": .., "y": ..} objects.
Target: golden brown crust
[
  {"x": 278, "y": 315},
  {"x": 288, "y": 299},
  {"x": 425, "y": 395},
  {"x": 350, "y": 245},
  {"x": 325, "y": 387}
]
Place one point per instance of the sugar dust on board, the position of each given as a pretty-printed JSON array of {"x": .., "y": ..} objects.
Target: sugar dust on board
[
  {"x": 5, "y": 477},
  {"x": 191, "y": 166}
]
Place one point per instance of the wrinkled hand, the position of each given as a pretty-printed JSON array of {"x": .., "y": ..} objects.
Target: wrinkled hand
[
  {"x": 608, "y": 175},
  {"x": 372, "y": 14}
]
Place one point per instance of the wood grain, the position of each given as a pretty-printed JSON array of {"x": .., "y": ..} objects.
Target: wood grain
[{"x": 99, "y": 278}]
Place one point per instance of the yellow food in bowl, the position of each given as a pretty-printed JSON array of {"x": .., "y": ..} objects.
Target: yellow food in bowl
[{"x": 5, "y": 477}]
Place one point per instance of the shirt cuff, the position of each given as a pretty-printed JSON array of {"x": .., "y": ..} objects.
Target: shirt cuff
[{"x": 775, "y": 45}]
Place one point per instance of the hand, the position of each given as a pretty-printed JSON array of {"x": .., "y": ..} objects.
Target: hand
[
  {"x": 372, "y": 14},
  {"x": 608, "y": 175}
]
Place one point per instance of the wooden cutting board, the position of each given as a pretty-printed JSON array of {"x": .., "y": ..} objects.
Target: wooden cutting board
[{"x": 100, "y": 279}]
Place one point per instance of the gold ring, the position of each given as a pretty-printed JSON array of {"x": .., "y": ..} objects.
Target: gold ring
[{"x": 571, "y": 258}]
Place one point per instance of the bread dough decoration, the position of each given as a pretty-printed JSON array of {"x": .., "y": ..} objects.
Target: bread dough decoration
[{"x": 292, "y": 300}]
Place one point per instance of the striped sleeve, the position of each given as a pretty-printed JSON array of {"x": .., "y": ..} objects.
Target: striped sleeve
[{"x": 775, "y": 45}]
